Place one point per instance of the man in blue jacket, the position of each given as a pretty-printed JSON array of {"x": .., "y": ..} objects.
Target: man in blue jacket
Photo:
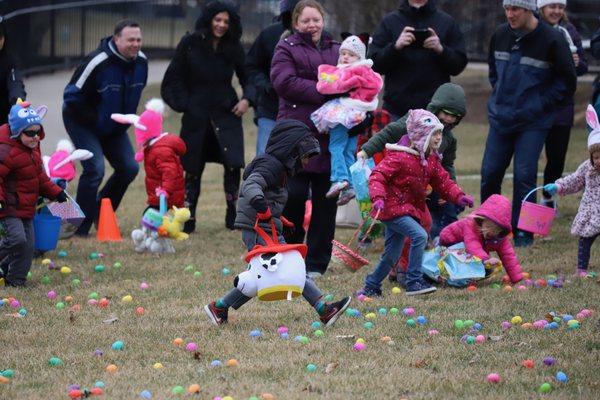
[
  {"x": 109, "y": 80},
  {"x": 531, "y": 72}
]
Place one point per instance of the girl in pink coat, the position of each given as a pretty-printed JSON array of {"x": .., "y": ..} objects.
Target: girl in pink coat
[
  {"x": 484, "y": 231},
  {"x": 352, "y": 76},
  {"x": 398, "y": 188}
]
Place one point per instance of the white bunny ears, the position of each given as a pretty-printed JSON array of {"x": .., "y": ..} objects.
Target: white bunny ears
[
  {"x": 128, "y": 119},
  {"x": 592, "y": 120}
]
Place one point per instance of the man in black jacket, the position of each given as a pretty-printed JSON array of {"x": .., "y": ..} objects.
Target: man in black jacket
[
  {"x": 595, "y": 47},
  {"x": 417, "y": 48},
  {"x": 258, "y": 67}
]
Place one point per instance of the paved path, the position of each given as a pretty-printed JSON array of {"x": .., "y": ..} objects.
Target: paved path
[{"x": 48, "y": 89}]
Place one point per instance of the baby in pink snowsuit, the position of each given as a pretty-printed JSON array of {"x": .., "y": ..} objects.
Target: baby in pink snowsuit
[
  {"x": 484, "y": 231},
  {"x": 352, "y": 76}
]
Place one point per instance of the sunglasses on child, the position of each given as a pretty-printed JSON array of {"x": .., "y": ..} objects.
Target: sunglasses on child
[{"x": 31, "y": 133}]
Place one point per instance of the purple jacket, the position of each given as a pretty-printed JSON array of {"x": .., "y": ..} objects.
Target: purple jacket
[{"x": 294, "y": 77}]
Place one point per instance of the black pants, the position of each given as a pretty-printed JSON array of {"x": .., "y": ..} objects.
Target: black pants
[
  {"x": 583, "y": 253},
  {"x": 231, "y": 185},
  {"x": 557, "y": 143},
  {"x": 322, "y": 223}
]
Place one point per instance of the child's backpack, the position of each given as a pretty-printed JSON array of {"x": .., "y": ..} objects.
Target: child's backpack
[{"x": 452, "y": 265}]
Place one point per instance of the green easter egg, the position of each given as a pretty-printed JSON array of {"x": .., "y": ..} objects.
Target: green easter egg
[{"x": 45, "y": 279}]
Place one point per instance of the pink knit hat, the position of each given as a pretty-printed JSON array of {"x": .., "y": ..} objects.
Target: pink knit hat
[
  {"x": 421, "y": 124},
  {"x": 147, "y": 126}
]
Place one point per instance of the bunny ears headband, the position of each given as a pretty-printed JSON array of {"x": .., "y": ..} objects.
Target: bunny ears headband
[{"x": 594, "y": 126}]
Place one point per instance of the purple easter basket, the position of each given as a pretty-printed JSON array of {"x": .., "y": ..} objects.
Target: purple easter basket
[{"x": 70, "y": 214}]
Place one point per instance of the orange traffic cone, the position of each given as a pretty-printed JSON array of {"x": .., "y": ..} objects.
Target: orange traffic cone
[{"x": 108, "y": 229}]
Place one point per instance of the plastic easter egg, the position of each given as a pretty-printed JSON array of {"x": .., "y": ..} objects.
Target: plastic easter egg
[
  {"x": 361, "y": 297},
  {"x": 586, "y": 313},
  {"x": 127, "y": 299},
  {"x": 103, "y": 302},
  {"x": 479, "y": 339},
  {"x": 99, "y": 384},
  {"x": 311, "y": 367},
  {"x": 55, "y": 361},
  {"x": 529, "y": 364},
  {"x": 98, "y": 353},
  {"x": 45, "y": 280},
  {"x": 4, "y": 380},
  {"x": 493, "y": 378},
  {"x": 216, "y": 363},
  {"x": 68, "y": 299},
  {"x": 93, "y": 295},
  {"x": 551, "y": 325},
  {"x": 188, "y": 268},
  {"x": 516, "y": 320},
  {"x": 521, "y": 288},
  {"x": 157, "y": 365},
  {"x": 507, "y": 289},
  {"x": 65, "y": 270},
  {"x": 396, "y": 290},
  {"x": 385, "y": 339},
  {"x": 76, "y": 282},
  {"x": 298, "y": 338},
  {"x": 580, "y": 316},
  {"x": 316, "y": 325},
  {"x": 394, "y": 311},
  {"x": 225, "y": 271},
  {"x": 197, "y": 274},
  {"x": 304, "y": 340},
  {"x": 227, "y": 398},
  {"x": 140, "y": 311},
  {"x": 550, "y": 282},
  {"x": 459, "y": 324},
  {"x": 573, "y": 324},
  {"x": 328, "y": 297},
  {"x": 368, "y": 325},
  {"x": 506, "y": 325},
  {"x": 470, "y": 339},
  {"x": 14, "y": 303},
  {"x": 193, "y": 388},
  {"x": 266, "y": 396},
  {"x": 562, "y": 377},
  {"x": 471, "y": 288},
  {"x": 92, "y": 302},
  {"x": 60, "y": 305},
  {"x": 191, "y": 347},
  {"x": 118, "y": 345},
  {"x": 46, "y": 262},
  {"x": 409, "y": 311},
  {"x": 421, "y": 320},
  {"x": 545, "y": 388},
  {"x": 94, "y": 256},
  {"x": 370, "y": 315},
  {"x": 549, "y": 361},
  {"x": 496, "y": 286},
  {"x": 146, "y": 394},
  {"x": 528, "y": 282},
  {"x": 51, "y": 295},
  {"x": 99, "y": 268},
  {"x": 111, "y": 368},
  {"x": 178, "y": 341},
  {"x": 282, "y": 329},
  {"x": 411, "y": 322},
  {"x": 382, "y": 311},
  {"x": 284, "y": 335},
  {"x": 255, "y": 334},
  {"x": 527, "y": 325},
  {"x": 469, "y": 323},
  {"x": 359, "y": 346},
  {"x": 506, "y": 279},
  {"x": 540, "y": 283},
  {"x": 432, "y": 332},
  {"x": 477, "y": 326},
  {"x": 117, "y": 265},
  {"x": 144, "y": 286},
  {"x": 178, "y": 390},
  {"x": 23, "y": 312},
  {"x": 8, "y": 373},
  {"x": 232, "y": 362},
  {"x": 319, "y": 333},
  {"x": 360, "y": 340}
]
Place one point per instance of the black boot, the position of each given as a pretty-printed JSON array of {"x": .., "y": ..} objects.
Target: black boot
[
  {"x": 231, "y": 183},
  {"x": 189, "y": 226},
  {"x": 192, "y": 193}
]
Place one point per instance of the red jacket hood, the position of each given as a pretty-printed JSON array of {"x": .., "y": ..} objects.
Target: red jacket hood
[
  {"x": 498, "y": 209},
  {"x": 172, "y": 141},
  {"x": 5, "y": 136}
]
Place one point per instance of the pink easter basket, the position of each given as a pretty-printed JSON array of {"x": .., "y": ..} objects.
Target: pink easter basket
[{"x": 536, "y": 218}]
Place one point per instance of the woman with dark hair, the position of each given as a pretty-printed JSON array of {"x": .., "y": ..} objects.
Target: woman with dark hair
[
  {"x": 198, "y": 84},
  {"x": 294, "y": 77},
  {"x": 11, "y": 84}
]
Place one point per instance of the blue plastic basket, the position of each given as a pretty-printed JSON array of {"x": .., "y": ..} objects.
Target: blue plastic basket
[{"x": 47, "y": 230}]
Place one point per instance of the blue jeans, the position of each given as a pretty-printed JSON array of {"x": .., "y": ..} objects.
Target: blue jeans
[
  {"x": 235, "y": 298},
  {"x": 342, "y": 149},
  {"x": 119, "y": 153},
  {"x": 396, "y": 230},
  {"x": 526, "y": 146},
  {"x": 265, "y": 126}
]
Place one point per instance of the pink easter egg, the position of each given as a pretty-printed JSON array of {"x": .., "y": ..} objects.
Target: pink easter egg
[
  {"x": 282, "y": 329},
  {"x": 586, "y": 312},
  {"x": 361, "y": 297},
  {"x": 359, "y": 346},
  {"x": 144, "y": 286},
  {"x": 493, "y": 378},
  {"x": 191, "y": 346},
  {"x": 15, "y": 303},
  {"x": 521, "y": 287},
  {"x": 432, "y": 332},
  {"x": 506, "y": 325},
  {"x": 51, "y": 295},
  {"x": 409, "y": 311},
  {"x": 92, "y": 302},
  {"x": 479, "y": 339}
]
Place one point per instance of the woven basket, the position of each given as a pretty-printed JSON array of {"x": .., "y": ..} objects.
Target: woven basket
[{"x": 346, "y": 255}]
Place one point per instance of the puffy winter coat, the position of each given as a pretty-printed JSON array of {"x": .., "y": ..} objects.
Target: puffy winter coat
[
  {"x": 163, "y": 169},
  {"x": 197, "y": 83},
  {"x": 414, "y": 73},
  {"x": 22, "y": 177},
  {"x": 294, "y": 77},
  {"x": 103, "y": 84},
  {"x": 358, "y": 80},
  {"x": 401, "y": 181},
  {"x": 498, "y": 209},
  {"x": 586, "y": 178},
  {"x": 595, "y": 49}
]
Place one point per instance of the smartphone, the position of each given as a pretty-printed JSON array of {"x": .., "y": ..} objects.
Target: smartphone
[{"x": 420, "y": 36}]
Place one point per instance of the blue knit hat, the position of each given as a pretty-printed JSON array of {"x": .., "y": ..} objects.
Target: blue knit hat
[
  {"x": 287, "y": 5},
  {"x": 22, "y": 116}
]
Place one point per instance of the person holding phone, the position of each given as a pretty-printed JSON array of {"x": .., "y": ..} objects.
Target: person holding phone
[{"x": 418, "y": 48}]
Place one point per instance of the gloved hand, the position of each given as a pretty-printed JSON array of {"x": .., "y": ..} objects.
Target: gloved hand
[
  {"x": 264, "y": 216},
  {"x": 62, "y": 197},
  {"x": 288, "y": 226},
  {"x": 160, "y": 191},
  {"x": 465, "y": 201},
  {"x": 551, "y": 189},
  {"x": 378, "y": 205}
]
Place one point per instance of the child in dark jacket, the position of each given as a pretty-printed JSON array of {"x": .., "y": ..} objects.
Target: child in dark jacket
[
  {"x": 262, "y": 197},
  {"x": 161, "y": 154},
  {"x": 398, "y": 188},
  {"x": 22, "y": 179}
]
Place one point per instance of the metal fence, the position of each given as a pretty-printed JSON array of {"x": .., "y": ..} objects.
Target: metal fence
[{"x": 47, "y": 35}]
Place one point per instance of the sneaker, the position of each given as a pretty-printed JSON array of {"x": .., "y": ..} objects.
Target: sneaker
[
  {"x": 218, "y": 316},
  {"x": 369, "y": 292},
  {"x": 335, "y": 189},
  {"x": 334, "y": 310},
  {"x": 230, "y": 215},
  {"x": 314, "y": 275},
  {"x": 523, "y": 239},
  {"x": 419, "y": 287},
  {"x": 189, "y": 226},
  {"x": 346, "y": 196}
]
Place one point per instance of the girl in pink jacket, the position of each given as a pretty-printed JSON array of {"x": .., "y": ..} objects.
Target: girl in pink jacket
[
  {"x": 484, "y": 231},
  {"x": 352, "y": 76}
]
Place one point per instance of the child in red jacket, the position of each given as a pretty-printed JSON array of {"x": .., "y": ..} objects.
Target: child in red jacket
[
  {"x": 161, "y": 154},
  {"x": 398, "y": 189},
  {"x": 484, "y": 231},
  {"x": 22, "y": 180}
]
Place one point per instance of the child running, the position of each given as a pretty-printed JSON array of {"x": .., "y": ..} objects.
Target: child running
[
  {"x": 587, "y": 178},
  {"x": 398, "y": 188},
  {"x": 352, "y": 76},
  {"x": 263, "y": 196},
  {"x": 487, "y": 230}
]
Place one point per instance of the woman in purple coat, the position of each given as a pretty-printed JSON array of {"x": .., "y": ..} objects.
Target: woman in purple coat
[{"x": 294, "y": 77}]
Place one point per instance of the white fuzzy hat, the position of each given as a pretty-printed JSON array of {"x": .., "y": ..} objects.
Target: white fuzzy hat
[
  {"x": 526, "y": 4},
  {"x": 544, "y": 3},
  {"x": 355, "y": 45}
]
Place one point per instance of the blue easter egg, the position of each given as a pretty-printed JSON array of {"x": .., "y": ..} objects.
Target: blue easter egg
[
  {"x": 477, "y": 326},
  {"x": 562, "y": 377},
  {"x": 255, "y": 333},
  {"x": 284, "y": 335},
  {"x": 567, "y": 317},
  {"x": 118, "y": 345},
  {"x": 316, "y": 325},
  {"x": 62, "y": 254},
  {"x": 225, "y": 271},
  {"x": 298, "y": 338},
  {"x": 216, "y": 363},
  {"x": 99, "y": 384},
  {"x": 421, "y": 320},
  {"x": 145, "y": 394}
]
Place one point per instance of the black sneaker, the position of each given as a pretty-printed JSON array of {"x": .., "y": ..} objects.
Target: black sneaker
[
  {"x": 374, "y": 293},
  {"x": 334, "y": 310},
  {"x": 189, "y": 226},
  {"x": 419, "y": 287},
  {"x": 218, "y": 316},
  {"x": 345, "y": 197},
  {"x": 230, "y": 215}
]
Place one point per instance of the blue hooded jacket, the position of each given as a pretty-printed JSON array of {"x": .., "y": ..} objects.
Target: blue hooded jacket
[{"x": 103, "y": 84}]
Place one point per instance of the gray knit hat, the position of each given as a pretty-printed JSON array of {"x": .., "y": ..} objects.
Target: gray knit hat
[{"x": 526, "y": 4}]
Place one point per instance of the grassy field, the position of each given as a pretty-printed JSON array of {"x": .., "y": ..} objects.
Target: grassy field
[{"x": 414, "y": 366}]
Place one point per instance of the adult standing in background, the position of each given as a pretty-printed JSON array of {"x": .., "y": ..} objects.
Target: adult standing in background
[
  {"x": 11, "y": 84},
  {"x": 557, "y": 141},
  {"x": 109, "y": 80},
  {"x": 198, "y": 84},
  {"x": 417, "y": 48},
  {"x": 294, "y": 77},
  {"x": 595, "y": 47},
  {"x": 531, "y": 73},
  {"x": 258, "y": 67}
]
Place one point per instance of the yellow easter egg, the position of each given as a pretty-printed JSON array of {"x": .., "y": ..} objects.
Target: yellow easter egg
[
  {"x": 516, "y": 320},
  {"x": 396, "y": 290},
  {"x": 157, "y": 365},
  {"x": 127, "y": 299},
  {"x": 65, "y": 270}
]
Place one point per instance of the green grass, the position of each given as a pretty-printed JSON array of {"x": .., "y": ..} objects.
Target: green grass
[{"x": 414, "y": 367}]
